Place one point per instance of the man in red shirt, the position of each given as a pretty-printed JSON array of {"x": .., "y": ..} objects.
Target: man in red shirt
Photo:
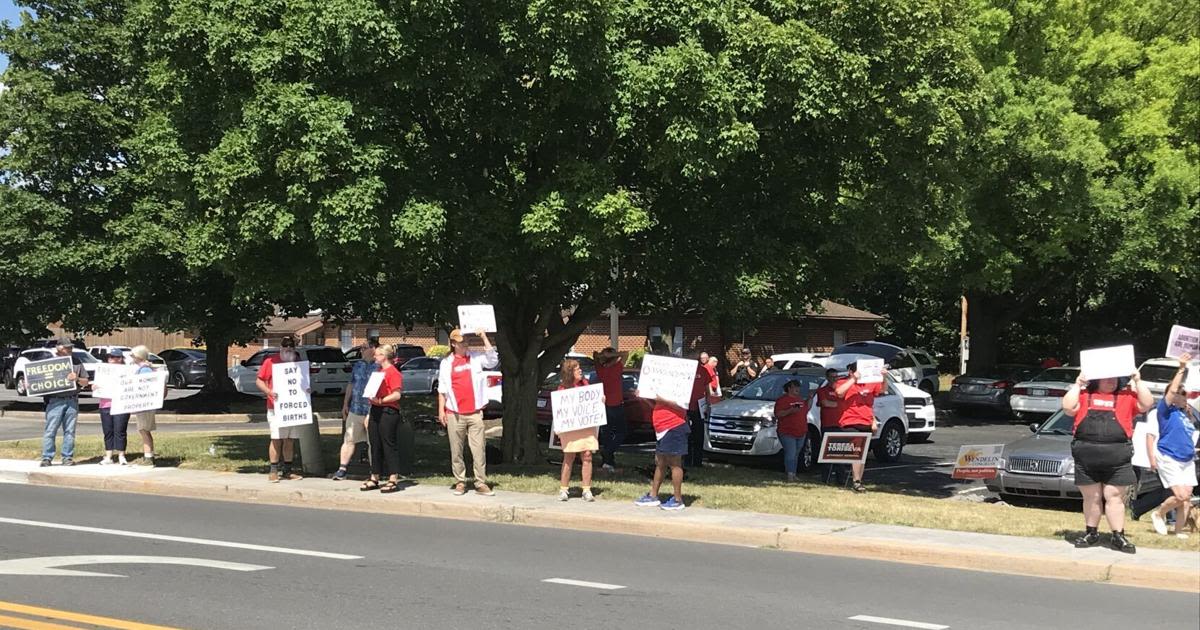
[
  {"x": 858, "y": 411},
  {"x": 791, "y": 416},
  {"x": 461, "y": 399},
  {"x": 282, "y": 438},
  {"x": 610, "y": 370}
]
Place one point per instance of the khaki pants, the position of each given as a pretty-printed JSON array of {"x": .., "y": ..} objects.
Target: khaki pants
[{"x": 469, "y": 428}]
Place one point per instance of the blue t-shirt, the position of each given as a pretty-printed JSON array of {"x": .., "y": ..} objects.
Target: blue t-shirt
[
  {"x": 1175, "y": 433},
  {"x": 362, "y": 371}
]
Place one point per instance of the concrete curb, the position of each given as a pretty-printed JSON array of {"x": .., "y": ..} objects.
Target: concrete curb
[
  {"x": 817, "y": 536},
  {"x": 173, "y": 418}
]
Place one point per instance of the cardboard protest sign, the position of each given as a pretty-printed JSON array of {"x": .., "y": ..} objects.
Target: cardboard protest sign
[
  {"x": 844, "y": 448},
  {"x": 870, "y": 370},
  {"x": 668, "y": 378},
  {"x": 372, "y": 386},
  {"x": 978, "y": 461},
  {"x": 472, "y": 317},
  {"x": 578, "y": 408},
  {"x": 138, "y": 393},
  {"x": 104, "y": 379},
  {"x": 293, "y": 403},
  {"x": 1114, "y": 362},
  {"x": 1183, "y": 341},
  {"x": 48, "y": 376}
]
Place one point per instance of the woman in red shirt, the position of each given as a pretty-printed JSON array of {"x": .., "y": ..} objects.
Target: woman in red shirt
[
  {"x": 580, "y": 442},
  {"x": 791, "y": 414},
  {"x": 383, "y": 424},
  {"x": 1104, "y": 410}
]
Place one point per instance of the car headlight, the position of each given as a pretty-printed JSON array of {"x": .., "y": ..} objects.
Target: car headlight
[
  {"x": 765, "y": 422},
  {"x": 1069, "y": 469}
]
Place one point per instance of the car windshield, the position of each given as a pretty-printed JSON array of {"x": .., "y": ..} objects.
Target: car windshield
[
  {"x": 84, "y": 357},
  {"x": 770, "y": 386},
  {"x": 1157, "y": 373},
  {"x": 325, "y": 355},
  {"x": 194, "y": 354},
  {"x": 1057, "y": 375},
  {"x": 1058, "y": 424}
]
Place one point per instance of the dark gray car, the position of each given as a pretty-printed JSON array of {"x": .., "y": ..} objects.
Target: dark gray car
[
  {"x": 420, "y": 375},
  {"x": 989, "y": 390},
  {"x": 185, "y": 367},
  {"x": 1041, "y": 464}
]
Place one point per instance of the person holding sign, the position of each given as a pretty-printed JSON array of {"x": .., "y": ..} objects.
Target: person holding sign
[
  {"x": 610, "y": 369},
  {"x": 282, "y": 438},
  {"x": 1171, "y": 449},
  {"x": 791, "y": 416},
  {"x": 146, "y": 421},
  {"x": 671, "y": 429},
  {"x": 383, "y": 424},
  {"x": 857, "y": 411},
  {"x": 1104, "y": 411},
  {"x": 461, "y": 399},
  {"x": 62, "y": 410},
  {"x": 114, "y": 426},
  {"x": 580, "y": 442}
]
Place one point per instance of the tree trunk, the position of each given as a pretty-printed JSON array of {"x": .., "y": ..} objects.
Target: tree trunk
[
  {"x": 983, "y": 326},
  {"x": 521, "y": 382},
  {"x": 218, "y": 365}
]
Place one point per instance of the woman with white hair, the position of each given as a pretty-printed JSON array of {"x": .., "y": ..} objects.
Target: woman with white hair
[{"x": 145, "y": 420}]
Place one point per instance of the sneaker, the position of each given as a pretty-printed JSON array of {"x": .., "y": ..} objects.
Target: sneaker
[
  {"x": 484, "y": 489},
  {"x": 1181, "y": 536},
  {"x": 791, "y": 477},
  {"x": 106, "y": 461},
  {"x": 340, "y": 475},
  {"x": 563, "y": 495},
  {"x": 45, "y": 463},
  {"x": 1121, "y": 543},
  {"x": 122, "y": 461},
  {"x": 1088, "y": 539},
  {"x": 273, "y": 477},
  {"x": 672, "y": 505},
  {"x": 291, "y": 476},
  {"x": 460, "y": 489},
  {"x": 859, "y": 487},
  {"x": 1160, "y": 523},
  {"x": 589, "y": 497},
  {"x": 68, "y": 462},
  {"x": 647, "y": 501}
]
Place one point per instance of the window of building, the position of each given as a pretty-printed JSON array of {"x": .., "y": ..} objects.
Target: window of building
[
  {"x": 346, "y": 338},
  {"x": 840, "y": 337},
  {"x": 655, "y": 335},
  {"x": 373, "y": 333}
]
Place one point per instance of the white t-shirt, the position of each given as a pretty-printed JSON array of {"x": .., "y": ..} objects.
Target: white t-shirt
[{"x": 1149, "y": 426}]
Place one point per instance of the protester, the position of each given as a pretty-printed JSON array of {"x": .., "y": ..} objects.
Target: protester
[
  {"x": 355, "y": 407},
  {"x": 697, "y": 415},
  {"x": 791, "y": 417},
  {"x": 745, "y": 371},
  {"x": 114, "y": 426},
  {"x": 461, "y": 399},
  {"x": 768, "y": 365},
  {"x": 62, "y": 410},
  {"x": 382, "y": 424},
  {"x": 714, "y": 378},
  {"x": 830, "y": 405},
  {"x": 282, "y": 438},
  {"x": 581, "y": 442},
  {"x": 146, "y": 422},
  {"x": 1104, "y": 410},
  {"x": 704, "y": 358},
  {"x": 671, "y": 429},
  {"x": 1172, "y": 453},
  {"x": 857, "y": 412},
  {"x": 610, "y": 370}
]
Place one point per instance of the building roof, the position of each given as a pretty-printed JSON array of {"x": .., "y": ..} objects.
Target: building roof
[
  {"x": 295, "y": 326},
  {"x": 833, "y": 310}
]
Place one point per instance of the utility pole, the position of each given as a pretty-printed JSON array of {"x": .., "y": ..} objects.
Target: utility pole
[
  {"x": 964, "y": 340},
  {"x": 614, "y": 327}
]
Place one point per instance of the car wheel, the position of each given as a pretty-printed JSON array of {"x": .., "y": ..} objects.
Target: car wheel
[
  {"x": 433, "y": 388},
  {"x": 20, "y": 384},
  {"x": 929, "y": 387},
  {"x": 9, "y": 383},
  {"x": 890, "y": 445},
  {"x": 808, "y": 455},
  {"x": 179, "y": 381}
]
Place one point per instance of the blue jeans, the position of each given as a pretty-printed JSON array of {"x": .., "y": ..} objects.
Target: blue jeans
[
  {"x": 791, "y": 452},
  {"x": 61, "y": 411}
]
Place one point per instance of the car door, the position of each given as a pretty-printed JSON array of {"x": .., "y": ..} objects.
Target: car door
[
  {"x": 245, "y": 376},
  {"x": 412, "y": 377}
]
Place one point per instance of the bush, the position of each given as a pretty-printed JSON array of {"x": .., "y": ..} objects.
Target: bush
[
  {"x": 437, "y": 352},
  {"x": 635, "y": 358}
]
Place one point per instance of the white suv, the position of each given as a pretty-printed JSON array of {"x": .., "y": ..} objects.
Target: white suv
[
  {"x": 909, "y": 365},
  {"x": 38, "y": 354},
  {"x": 329, "y": 371},
  {"x": 1157, "y": 374}
]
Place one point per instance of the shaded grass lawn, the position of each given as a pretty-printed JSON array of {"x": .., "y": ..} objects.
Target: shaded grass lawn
[{"x": 717, "y": 486}]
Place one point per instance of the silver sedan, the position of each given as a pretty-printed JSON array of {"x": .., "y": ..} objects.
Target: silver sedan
[{"x": 420, "y": 375}]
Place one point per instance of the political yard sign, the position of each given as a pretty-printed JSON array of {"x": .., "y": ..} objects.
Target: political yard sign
[
  {"x": 844, "y": 448},
  {"x": 978, "y": 461}
]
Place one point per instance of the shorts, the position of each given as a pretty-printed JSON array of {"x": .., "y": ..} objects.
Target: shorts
[
  {"x": 356, "y": 429},
  {"x": 281, "y": 433},
  {"x": 1109, "y": 463},
  {"x": 579, "y": 441},
  {"x": 145, "y": 421},
  {"x": 674, "y": 441},
  {"x": 1173, "y": 472}
]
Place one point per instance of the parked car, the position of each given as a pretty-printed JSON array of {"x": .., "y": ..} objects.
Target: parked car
[
  {"x": 7, "y": 359},
  {"x": 38, "y": 354},
  {"x": 185, "y": 367},
  {"x": 328, "y": 370},
  {"x": 745, "y": 424},
  {"x": 1042, "y": 395},
  {"x": 1157, "y": 374},
  {"x": 100, "y": 353},
  {"x": 918, "y": 405},
  {"x": 1040, "y": 465},
  {"x": 990, "y": 389},
  {"x": 791, "y": 360},
  {"x": 909, "y": 365},
  {"x": 637, "y": 410},
  {"x": 420, "y": 375}
]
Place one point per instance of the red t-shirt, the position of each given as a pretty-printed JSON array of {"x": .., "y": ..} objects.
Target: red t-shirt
[
  {"x": 795, "y": 425},
  {"x": 713, "y": 381},
  {"x": 580, "y": 383},
  {"x": 392, "y": 382},
  {"x": 699, "y": 388},
  {"x": 266, "y": 373},
  {"x": 858, "y": 405},
  {"x": 666, "y": 417},
  {"x": 463, "y": 385},
  {"x": 610, "y": 377},
  {"x": 1122, "y": 404},
  {"x": 829, "y": 415}
]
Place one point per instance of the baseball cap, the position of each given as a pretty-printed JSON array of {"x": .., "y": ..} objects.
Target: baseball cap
[{"x": 456, "y": 335}]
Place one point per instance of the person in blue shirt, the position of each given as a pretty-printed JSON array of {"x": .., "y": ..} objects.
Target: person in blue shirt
[
  {"x": 356, "y": 407},
  {"x": 1174, "y": 455}
]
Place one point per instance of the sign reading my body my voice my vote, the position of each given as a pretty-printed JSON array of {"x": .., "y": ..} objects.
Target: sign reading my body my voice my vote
[
  {"x": 578, "y": 408},
  {"x": 293, "y": 402}
]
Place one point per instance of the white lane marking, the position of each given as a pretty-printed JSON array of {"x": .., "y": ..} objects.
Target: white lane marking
[
  {"x": 599, "y": 585},
  {"x": 899, "y": 622},
  {"x": 49, "y": 565},
  {"x": 181, "y": 539}
]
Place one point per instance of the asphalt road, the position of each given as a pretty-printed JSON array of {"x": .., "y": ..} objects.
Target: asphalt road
[{"x": 432, "y": 573}]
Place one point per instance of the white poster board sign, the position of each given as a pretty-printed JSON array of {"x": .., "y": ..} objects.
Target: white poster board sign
[
  {"x": 1114, "y": 362},
  {"x": 137, "y": 393},
  {"x": 1183, "y": 340},
  {"x": 578, "y": 408},
  {"x": 870, "y": 371},
  {"x": 472, "y": 317},
  {"x": 372, "y": 386},
  {"x": 667, "y": 377},
  {"x": 293, "y": 402},
  {"x": 105, "y": 378}
]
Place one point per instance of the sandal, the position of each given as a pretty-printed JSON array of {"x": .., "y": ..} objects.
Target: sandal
[
  {"x": 389, "y": 487},
  {"x": 369, "y": 485}
]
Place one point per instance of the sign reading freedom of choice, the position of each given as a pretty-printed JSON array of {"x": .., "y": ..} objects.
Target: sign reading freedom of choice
[
  {"x": 48, "y": 376},
  {"x": 978, "y": 461},
  {"x": 138, "y": 393},
  {"x": 578, "y": 408},
  {"x": 293, "y": 404},
  {"x": 667, "y": 378}
]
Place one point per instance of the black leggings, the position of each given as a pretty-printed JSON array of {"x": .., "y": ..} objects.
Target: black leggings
[
  {"x": 115, "y": 429},
  {"x": 381, "y": 435}
]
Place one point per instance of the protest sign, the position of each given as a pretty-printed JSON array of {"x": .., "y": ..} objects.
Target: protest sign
[
  {"x": 978, "y": 461},
  {"x": 104, "y": 379},
  {"x": 372, "y": 386},
  {"x": 578, "y": 408},
  {"x": 844, "y": 448},
  {"x": 668, "y": 378},
  {"x": 48, "y": 376},
  {"x": 1114, "y": 362},
  {"x": 1183, "y": 341},
  {"x": 870, "y": 370},
  {"x": 472, "y": 317},
  {"x": 293, "y": 403},
  {"x": 137, "y": 393}
]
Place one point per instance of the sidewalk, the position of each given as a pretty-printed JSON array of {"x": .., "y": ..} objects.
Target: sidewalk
[{"x": 1149, "y": 568}]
